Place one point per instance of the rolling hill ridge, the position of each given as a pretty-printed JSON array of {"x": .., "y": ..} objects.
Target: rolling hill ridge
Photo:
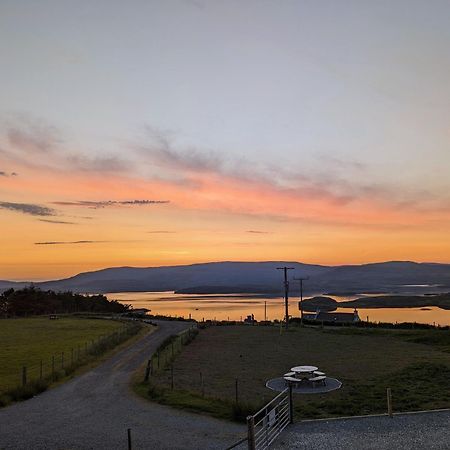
[{"x": 258, "y": 277}]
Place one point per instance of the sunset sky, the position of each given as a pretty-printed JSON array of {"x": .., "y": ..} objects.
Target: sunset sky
[{"x": 168, "y": 132}]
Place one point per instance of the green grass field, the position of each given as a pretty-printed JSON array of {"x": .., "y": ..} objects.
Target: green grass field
[
  {"x": 27, "y": 342},
  {"x": 414, "y": 364}
]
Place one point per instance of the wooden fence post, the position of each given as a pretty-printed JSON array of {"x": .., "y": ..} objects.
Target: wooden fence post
[
  {"x": 147, "y": 370},
  {"x": 129, "y": 438},
  {"x": 24, "y": 375},
  {"x": 62, "y": 360},
  {"x": 389, "y": 401},
  {"x": 202, "y": 387},
  {"x": 251, "y": 432}
]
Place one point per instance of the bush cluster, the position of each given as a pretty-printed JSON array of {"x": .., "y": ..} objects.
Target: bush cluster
[{"x": 32, "y": 301}]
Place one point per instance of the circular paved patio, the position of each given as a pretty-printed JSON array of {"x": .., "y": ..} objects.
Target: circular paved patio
[{"x": 279, "y": 385}]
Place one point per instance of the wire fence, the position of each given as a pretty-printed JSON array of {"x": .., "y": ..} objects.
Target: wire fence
[
  {"x": 162, "y": 378},
  {"x": 38, "y": 375},
  {"x": 166, "y": 352}
]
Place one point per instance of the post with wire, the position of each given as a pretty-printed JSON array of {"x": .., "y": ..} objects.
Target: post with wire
[{"x": 301, "y": 280}]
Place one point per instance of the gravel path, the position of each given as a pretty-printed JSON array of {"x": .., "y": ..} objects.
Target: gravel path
[
  {"x": 430, "y": 430},
  {"x": 94, "y": 410}
]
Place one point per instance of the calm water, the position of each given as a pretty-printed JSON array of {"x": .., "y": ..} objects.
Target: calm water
[{"x": 237, "y": 307}]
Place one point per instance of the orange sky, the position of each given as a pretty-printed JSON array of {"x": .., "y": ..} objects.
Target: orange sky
[
  {"x": 210, "y": 217},
  {"x": 315, "y": 132}
]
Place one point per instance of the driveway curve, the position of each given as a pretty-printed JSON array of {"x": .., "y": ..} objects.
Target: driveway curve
[{"x": 94, "y": 410}]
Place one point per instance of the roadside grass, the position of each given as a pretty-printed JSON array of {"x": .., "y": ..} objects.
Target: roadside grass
[
  {"x": 415, "y": 364},
  {"x": 27, "y": 342},
  {"x": 161, "y": 363},
  {"x": 194, "y": 402},
  {"x": 436, "y": 338}
]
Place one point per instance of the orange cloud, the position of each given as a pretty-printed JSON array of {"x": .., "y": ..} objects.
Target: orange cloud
[{"x": 220, "y": 192}]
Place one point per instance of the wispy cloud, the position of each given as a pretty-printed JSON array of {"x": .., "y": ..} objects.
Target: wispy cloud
[
  {"x": 101, "y": 164},
  {"x": 29, "y": 208},
  {"x": 160, "y": 150},
  {"x": 192, "y": 165},
  {"x": 339, "y": 163},
  {"x": 202, "y": 180},
  {"x": 161, "y": 232},
  {"x": 29, "y": 139},
  {"x": 84, "y": 241},
  {"x": 31, "y": 135},
  {"x": 68, "y": 242},
  {"x": 58, "y": 221},
  {"x": 7, "y": 174},
  {"x": 106, "y": 203},
  {"x": 258, "y": 232}
]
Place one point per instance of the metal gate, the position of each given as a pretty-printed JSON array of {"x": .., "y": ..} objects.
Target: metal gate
[{"x": 268, "y": 423}]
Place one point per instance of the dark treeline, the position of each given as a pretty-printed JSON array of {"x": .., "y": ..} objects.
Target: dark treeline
[{"x": 31, "y": 301}]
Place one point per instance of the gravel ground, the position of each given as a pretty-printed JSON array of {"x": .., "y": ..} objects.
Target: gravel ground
[
  {"x": 94, "y": 410},
  {"x": 430, "y": 430}
]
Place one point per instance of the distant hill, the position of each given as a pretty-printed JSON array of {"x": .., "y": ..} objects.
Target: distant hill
[{"x": 258, "y": 277}]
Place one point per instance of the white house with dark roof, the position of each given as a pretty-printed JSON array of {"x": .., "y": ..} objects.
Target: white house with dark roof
[{"x": 338, "y": 317}]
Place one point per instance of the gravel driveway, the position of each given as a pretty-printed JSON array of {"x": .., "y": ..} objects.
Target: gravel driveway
[
  {"x": 94, "y": 410},
  {"x": 429, "y": 430}
]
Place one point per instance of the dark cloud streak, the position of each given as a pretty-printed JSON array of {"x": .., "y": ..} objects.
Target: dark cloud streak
[
  {"x": 7, "y": 174},
  {"x": 58, "y": 221},
  {"x": 29, "y": 208},
  {"x": 68, "y": 242},
  {"x": 161, "y": 232},
  {"x": 106, "y": 203}
]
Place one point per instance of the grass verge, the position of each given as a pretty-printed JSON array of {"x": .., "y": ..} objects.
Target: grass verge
[
  {"x": 166, "y": 394},
  {"x": 41, "y": 376},
  {"x": 415, "y": 364}
]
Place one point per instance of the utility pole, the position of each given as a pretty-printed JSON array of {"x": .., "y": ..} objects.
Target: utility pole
[
  {"x": 301, "y": 280},
  {"x": 286, "y": 293},
  {"x": 265, "y": 311}
]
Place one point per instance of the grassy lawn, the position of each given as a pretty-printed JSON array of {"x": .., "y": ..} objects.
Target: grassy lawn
[
  {"x": 415, "y": 364},
  {"x": 27, "y": 342}
]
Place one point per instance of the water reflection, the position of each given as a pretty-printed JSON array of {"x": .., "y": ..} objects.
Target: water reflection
[{"x": 237, "y": 307}]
